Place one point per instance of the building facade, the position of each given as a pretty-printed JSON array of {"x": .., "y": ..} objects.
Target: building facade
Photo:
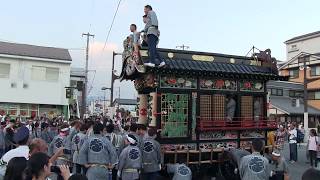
[
  {"x": 300, "y": 49},
  {"x": 309, "y": 43},
  {"x": 286, "y": 103},
  {"x": 33, "y": 80}
]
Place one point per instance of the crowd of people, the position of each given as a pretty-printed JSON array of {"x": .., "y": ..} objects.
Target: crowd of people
[
  {"x": 94, "y": 148},
  {"x": 101, "y": 148},
  {"x": 295, "y": 136}
]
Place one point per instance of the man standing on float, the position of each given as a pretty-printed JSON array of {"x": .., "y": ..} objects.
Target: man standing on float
[{"x": 152, "y": 31}]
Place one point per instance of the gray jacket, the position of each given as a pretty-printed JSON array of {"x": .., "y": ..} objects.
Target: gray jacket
[
  {"x": 97, "y": 149},
  {"x": 130, "y": 162},
  {"x": 254, "y": 167},
  {"x": 151, "y": 26},
  {"x": 180, "y": 171},
  {"x": 77, "y": 142},
  {"x": 58, "y": 142},
  {"x": 151, "y": 155}
]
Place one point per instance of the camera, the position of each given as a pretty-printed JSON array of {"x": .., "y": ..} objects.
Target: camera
[{"x": 55, "y": 169}]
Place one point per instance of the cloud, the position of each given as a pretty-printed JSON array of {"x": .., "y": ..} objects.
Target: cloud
[{"x": 101, "y": 59}]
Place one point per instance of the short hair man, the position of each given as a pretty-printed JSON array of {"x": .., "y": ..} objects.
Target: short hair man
[
  {"x": 152, "y": 31},
  {"x": 255, "y": 166},
  {"x": 136, "y": 38},
  {"x": 311, "y": 174}
]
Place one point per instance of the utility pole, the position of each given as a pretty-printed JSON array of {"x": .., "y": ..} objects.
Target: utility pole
[
  {"x": 85, "y": 89},
  {"x": 183, "y": 47},
  {"x": 305, "y": 96},
  {"x": 113, "y": 76}
]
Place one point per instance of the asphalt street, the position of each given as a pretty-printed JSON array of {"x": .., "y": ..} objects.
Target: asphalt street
[{"x": 297, "y": 169}]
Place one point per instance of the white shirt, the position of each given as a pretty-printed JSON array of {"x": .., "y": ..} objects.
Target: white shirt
[
  {"x": 21, "y": 151},
  {"x": 313, "y": 143},
  {"x": 293, "y": 136}
]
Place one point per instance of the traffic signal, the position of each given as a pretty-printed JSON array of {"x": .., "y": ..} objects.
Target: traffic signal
[
  {"x": 68, "y": 93},
  {"x": 80, "y": 85}
]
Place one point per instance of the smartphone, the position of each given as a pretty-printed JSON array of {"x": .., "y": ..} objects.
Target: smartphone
[
  {"x": 66, "y": 151},
  {"x": 55, "y": 169}
]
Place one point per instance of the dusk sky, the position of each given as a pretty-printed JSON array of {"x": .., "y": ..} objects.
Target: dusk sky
[{"x": 230, "y": 27}]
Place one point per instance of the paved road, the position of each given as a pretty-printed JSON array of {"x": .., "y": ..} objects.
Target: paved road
[{"x": 297, "y": 169}]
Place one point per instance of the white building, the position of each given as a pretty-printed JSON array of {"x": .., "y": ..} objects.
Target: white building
[
  {"x": 308, "y": 43},
  {"x": 33, "y": 80}
]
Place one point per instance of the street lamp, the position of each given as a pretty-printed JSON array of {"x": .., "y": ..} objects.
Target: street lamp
[
  {"x": 113, "y": 76},
  {"x": 104, "y": 98}
]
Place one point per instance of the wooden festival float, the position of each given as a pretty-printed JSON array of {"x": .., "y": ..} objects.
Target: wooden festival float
[{"x": 189, "y": 100}]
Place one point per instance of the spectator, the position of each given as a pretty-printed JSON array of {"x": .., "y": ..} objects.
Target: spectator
[
  {"x": 311, "y": 174},
  {"x": 38, "y": 167},
  {"x": 15, "y": 168},
  {"x": 255, "y": 166},
  {"x": 2, "y": 139},
  {"x": 313, "y": 147},
  {"x": 280, "y": 138},
  {"x": 293, "y": 143},
  {"x": 21, "y": 137},
  {"x": 9, "y": 138},
  {"x": 39, "y": 145}
]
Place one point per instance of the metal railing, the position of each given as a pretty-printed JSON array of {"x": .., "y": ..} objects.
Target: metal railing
[{"x": 238, "y": 123}]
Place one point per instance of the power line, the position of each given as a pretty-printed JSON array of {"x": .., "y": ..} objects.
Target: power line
[{"x": 114, "y": 17}]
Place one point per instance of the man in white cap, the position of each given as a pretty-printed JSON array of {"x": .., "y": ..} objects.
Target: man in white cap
[
  {"x": 130, "y": 161},
  {"x": 279, "y": 167}
]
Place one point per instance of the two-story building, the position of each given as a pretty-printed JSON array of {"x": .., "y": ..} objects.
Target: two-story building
[
  {"x": 286, "y": 103},
  {"x": 33, "y": 80},
  {"x": 298, "y": 47}
]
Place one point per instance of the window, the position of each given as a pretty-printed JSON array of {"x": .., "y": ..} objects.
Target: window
[
  {"x": 52, "y": 74},
  {"x": 4, "y": 70},
  {"x": 38, "y": 73},
  {"x": 45, "y": 73},
  {"x": 315, "y": 71},
  {"x": 294, "y": 73},
  {"x": 314, "y": 95},
  {"x": 293, "y": 93},
  {"x": 277, "y": 92}
]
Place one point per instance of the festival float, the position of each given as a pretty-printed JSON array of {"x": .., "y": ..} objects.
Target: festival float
[{"x": 201, "y": 102}]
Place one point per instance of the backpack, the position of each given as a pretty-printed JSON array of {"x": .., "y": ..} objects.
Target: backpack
[{"x": 300, "y": 136}]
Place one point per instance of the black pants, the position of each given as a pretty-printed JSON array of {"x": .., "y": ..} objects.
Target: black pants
[
  {"x": 313, "y": 157},
  {"x": 79, "y": 168},
  {"x": 293, "y": 151}
]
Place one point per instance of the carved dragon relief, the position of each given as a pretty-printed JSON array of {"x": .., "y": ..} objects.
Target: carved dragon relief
[{"x": 131, "y": 60}]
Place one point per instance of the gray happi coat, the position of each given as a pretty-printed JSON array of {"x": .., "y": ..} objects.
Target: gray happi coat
[
  {"x": 58, "y": 142},
  {"x": 151, "y": 155},
  {"x": 254, "y": 167},
  {"x": 180, "y": 171},
  {"x": 98, "y": 152},
  {"x": 130, "y": 163},
  {"x": 76, "y": 144}
]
